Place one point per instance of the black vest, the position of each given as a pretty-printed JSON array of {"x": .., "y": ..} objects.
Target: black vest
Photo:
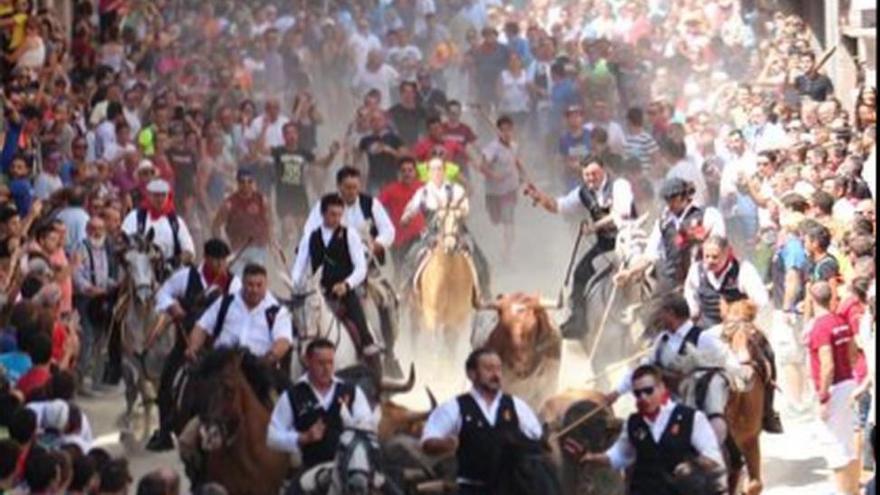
[
  {"x": 195, "y": 301},
  {"x": 365, "y": 201},
  {"x": 479, "y": 448},
  {"x": 598, "y": 212},
  {"x": 655, "y": 462},
  {"x": 335, "y": 257},
  {"x": 678, "y": 247},
  {"x": 173, "y": 221},
  {"x": 307, "y": 411},
  {"x": 710, "y": 297}
]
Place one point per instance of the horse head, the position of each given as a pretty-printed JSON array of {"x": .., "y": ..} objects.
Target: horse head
[
  {"x": 631, "y": 239},
  {"x": 140, "y": 259},
  {"x": 228, "y": 379},
  {"x": 448, "y": 224},
  {"x": 357, "y": 460}
]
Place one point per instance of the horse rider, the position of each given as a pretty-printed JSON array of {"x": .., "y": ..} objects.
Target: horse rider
[
  {"x": 366, "y": 216},
  {"x": 607, "y": 201},
  {"x": 170, "y": 232},
  {"x": 720, "y": 273},
  {"x": 249, "y": 318},
  {"x": 682, "y": 349},
  {"x": 720, "y": 279},
  {"x": 477, "y": 424},
  {"x": 362, "y": 213},
  {"x": 657, "y": 438},
  {"x": 339, "y": 251},
  {"x": 183, "y": 298},
  {"x": 674, "y": 241},
  {"x": 439, "y": 193},
  {"x": 306, "y": 420}
]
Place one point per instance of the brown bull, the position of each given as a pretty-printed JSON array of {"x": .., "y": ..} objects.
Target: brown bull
[
  {"x": 597, "y": 434},
  {"x": 399, "y": 420},
  {"x": 529, "y": 344}
]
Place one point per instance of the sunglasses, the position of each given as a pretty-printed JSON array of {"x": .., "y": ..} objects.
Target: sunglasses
[{"x": 646, "y": 392}]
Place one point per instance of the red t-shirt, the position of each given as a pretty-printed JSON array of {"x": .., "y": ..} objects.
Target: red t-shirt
[
  {"x": 59, "y": 340},
  {"x": 831, "y": 329},
  {"x": 461, "y": 134},
  {"x": 423, "y": 150},
  {"x": 394, "y": 197},
  {"x": 36, "y": 378},
  {"x": 852, "y": 310}
]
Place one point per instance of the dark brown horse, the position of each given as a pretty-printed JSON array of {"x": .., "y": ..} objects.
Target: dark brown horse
[{"x": 234, "y": 390}]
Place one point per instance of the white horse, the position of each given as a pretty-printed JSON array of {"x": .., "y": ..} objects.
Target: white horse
[
  {"x": 141, "y": 364},
  {"x": 357, "y": 468}
]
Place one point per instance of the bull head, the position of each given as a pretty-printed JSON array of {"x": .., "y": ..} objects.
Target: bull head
[{"x": 391, "y": 387}]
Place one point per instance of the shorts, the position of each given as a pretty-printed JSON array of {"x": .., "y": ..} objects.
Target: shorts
[
  {"x": 837, "y": 432},
  {"x": 291, "y": 202},
  {"x": 501, "y": 208},
  {"x": 787, "y": 339}
]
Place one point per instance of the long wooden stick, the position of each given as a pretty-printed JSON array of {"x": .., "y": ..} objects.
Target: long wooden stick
[
  {"x": 619, "y": 364},
  {"x": 604, "y": 321},
  {"x": 583, "y": 419}
]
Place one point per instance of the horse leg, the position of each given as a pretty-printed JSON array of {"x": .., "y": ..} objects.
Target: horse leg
[{"x": 751, "y": 449}]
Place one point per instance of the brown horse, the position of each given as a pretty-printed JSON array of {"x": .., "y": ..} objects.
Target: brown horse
[
  {"x": 235, "y": 392},
  {"x": 745, "y": 408}
]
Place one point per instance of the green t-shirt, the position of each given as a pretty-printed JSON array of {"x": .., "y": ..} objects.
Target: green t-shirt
[{"x": 452, "y": 171}]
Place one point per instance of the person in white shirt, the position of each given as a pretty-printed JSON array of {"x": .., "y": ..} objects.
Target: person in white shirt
[
  {"x": 717, "y": 275},
  {"x": 374, "y": 73},
  {"x": 474, "y": 424},
  {"x": 170, "y": 232},
  {"x": 437, "y": 194},
  {"x": 607, "y": 201},
  {"x": 362, "y": 42},
  {"x": 338, "y": 252},
  {"x": 657, "y": 438},
  {"x": 679, "y": 338},
  {"x": 267, "y": 130},
  {"x": 307, "y": 420},
  {"x": 121, "y": 144},
  {"x": 251, "y": 319},
  {"x": 363, "y": 213},
  {"x": 672, "y": 243},
  {"x": 183, "y": 298}
]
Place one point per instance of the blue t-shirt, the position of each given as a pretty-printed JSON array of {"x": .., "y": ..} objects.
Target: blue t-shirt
[
  {"x": 22, "y": 193},
  {"x": 15, "y": 364},
  {"x": 794, "y": 256},
  {"x": 571, "y": 146}
]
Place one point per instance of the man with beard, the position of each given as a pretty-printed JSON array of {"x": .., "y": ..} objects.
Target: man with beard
[
  {"x": 95, "y": 281},
  {"x": 476, "y": 424},
  {"x": 607, "y": 201},
  {"x": 657, "y": 438}
]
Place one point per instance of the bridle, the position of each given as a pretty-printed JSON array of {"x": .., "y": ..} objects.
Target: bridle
[{"x": 366, "y": 440}]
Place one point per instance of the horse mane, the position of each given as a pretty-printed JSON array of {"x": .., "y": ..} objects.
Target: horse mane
[{"x": 257, "y": 374}]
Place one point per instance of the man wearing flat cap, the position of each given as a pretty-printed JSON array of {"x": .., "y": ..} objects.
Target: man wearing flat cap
[
  {"x": 183, "y": 298},
  {"x": 676, "y": 237},
  {"x": 170, "y": 232}
]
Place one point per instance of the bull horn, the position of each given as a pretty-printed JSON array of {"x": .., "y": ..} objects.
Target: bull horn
[
  {"x": 486, "y": 305},
  {"x": 547, "y": 303},
  {"x": 431, "y": 398},
  {"x": 400, "y": 388}
]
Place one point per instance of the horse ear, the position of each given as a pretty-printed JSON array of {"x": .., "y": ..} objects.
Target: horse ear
[{"x": 345, "y": 414}]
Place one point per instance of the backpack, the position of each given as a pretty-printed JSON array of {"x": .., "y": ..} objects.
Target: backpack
[{"x": 271, "y": 313}]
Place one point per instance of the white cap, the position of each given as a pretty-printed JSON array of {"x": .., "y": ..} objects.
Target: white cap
[
  {"x": 55, "y": 415},
  {"x": 145, "y": 165},
  {"x": 158, "y": 186}
]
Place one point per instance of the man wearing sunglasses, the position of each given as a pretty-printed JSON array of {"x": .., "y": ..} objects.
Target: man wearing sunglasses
[
  {"x": 679, "y": 339},
  {"x": 657, "y": 438}
]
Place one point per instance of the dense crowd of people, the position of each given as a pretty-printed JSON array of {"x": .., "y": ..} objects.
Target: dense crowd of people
[{"x": 201, "y": 120}]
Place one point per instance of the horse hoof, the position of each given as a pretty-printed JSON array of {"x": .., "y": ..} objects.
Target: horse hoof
[{"x": 754, "y": 488}]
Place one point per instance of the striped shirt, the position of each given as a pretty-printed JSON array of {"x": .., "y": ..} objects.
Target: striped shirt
[{"x": 641, "y": 146}]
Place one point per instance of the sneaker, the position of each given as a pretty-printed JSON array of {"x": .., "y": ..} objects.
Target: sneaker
[
  {"x": 160, "y": 442},
  {"x": 772, "y": 423}
]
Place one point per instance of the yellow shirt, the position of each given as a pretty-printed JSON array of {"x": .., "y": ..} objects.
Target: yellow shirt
[{"x": 452, "y": 171}]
